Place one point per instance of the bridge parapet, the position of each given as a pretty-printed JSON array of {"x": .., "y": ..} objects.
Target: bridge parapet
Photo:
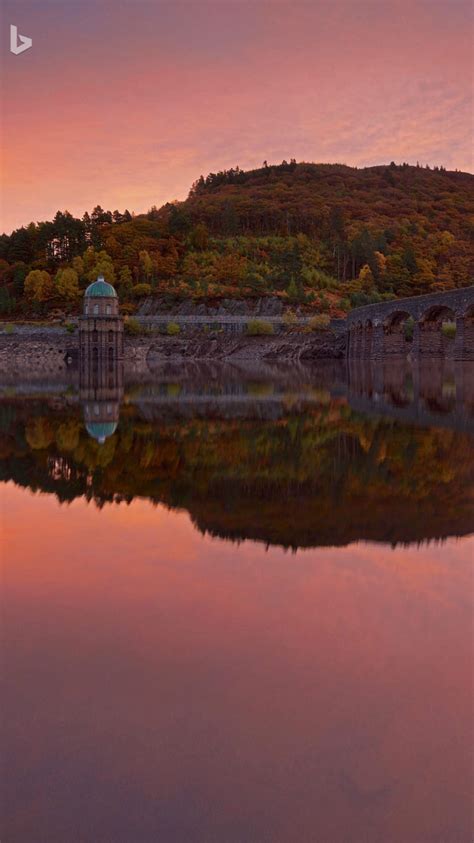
[{"x": 414, "y": 324}]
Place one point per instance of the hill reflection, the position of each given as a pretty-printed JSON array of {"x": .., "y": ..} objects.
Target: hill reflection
[{"x": 293, "y": 457}]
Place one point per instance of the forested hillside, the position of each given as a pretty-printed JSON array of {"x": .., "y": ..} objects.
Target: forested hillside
[{"x": 328, "y": 237}]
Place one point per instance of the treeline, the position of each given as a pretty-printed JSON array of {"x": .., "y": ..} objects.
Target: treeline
[{"x": 328, "y": 236}]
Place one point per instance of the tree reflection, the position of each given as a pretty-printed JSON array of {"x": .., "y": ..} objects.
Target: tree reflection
[{"x": 298, "y": 469}]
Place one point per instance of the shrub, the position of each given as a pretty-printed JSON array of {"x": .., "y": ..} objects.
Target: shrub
[
  {"x": 132, "y": 327},
  {"x": 172, "y": 329},
  {"x": 290, "y": 318},
  {"x": 320, "y": 322},
  {"x": 345, "y": 305},
  {"x": 448, "y": 330},
  {"x": 140, "y": 291},
  {"x": 324, "y": 303},
  {"x": 70, "y": 327},
  {"x": 259, "y": 327},
  {"x": 9, "y": 328}
]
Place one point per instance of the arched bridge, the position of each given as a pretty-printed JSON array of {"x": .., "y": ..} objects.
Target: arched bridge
[{"x": 419, "y": 324}]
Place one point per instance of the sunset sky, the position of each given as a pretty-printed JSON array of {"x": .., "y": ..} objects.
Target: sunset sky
[{"x": 125, "y": 104}]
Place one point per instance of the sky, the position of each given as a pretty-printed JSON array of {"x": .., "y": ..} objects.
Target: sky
[{"x": 124, "y": 103}]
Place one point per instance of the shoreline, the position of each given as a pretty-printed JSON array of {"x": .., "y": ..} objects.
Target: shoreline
[{"x": 52, "y": 349}]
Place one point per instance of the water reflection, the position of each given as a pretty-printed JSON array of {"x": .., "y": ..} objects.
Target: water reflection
[
  {"x": 101, "y": 393},
  {"x": 289, "y": 456},
  {"x": 424, "y": 391},
  {"x": 164, "y": 681}
]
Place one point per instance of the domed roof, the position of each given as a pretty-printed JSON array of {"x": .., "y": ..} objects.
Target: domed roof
[
  {"x": 101, "y": 289},
  {"x": 101, "y": 430}
]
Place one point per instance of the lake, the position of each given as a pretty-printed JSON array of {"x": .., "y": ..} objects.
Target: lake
[{"x": 238, "y": 604}]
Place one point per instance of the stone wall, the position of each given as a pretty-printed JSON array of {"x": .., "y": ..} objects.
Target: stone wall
[{"x": 44, "y": 351}]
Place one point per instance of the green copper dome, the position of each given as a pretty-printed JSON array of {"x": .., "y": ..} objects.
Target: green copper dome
[
  {"x": 101, "y": 430},
  {"x": 101, "y": 289}
]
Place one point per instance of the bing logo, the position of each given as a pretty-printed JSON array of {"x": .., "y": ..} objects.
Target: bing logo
[{"x": 19, "y": 43}]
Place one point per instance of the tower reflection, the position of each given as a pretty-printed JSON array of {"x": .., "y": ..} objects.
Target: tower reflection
[
  {"x": 100, "y": 360},
  {"x": 101, "y": 393}
]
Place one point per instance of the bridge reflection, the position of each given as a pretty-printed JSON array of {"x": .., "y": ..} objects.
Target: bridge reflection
[{"x": 424, "y": 391}]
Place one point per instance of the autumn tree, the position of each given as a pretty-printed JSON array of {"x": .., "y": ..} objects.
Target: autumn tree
[
  {"x": 67, "y": 284},
  {"x": 39, "y": 285},
  {"x": 103, "y": 266},
  {"x": 145, "y": 266},
  {"x": 366, "y": 279},
  {"x": 199, "y": 237},
  {"x": 125, "y": 283}
]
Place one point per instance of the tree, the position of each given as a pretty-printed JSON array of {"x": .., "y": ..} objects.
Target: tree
[
  {"x": 292, "y": 291},
  {"x": 145, "y": 266},
  {"x": 39, "y": 433},
  {"x": 78, "y": 266},
  {"x": 409, "y": 259},
  {"x": 39, "y": 285},
  {"x": 7, "y": 302},
  {"x": 178, "y": 220},
  {"x": 141, "y": 291},
  {"x": 125, "y": 282},
  {"x": 424, "y": 278},
  {"x": 230, "y": 220},
  {"x": 366, "y": 279},
  {"x": 103, "y": 266},
  {"x": 200, "y": 237},
  {"x": 337, "y": 229},
  {"x": 67, "y": 284}
]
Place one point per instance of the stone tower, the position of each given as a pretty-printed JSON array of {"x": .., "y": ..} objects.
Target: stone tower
[
  {"x": 101, "y": 359},
  {"x": 101, "y": 326}
]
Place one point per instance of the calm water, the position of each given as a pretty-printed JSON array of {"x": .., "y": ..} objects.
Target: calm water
[{"x": 245, "y": 614}]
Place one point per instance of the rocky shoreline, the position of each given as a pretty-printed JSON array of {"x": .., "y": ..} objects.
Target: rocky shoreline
[
  {"x": 49, "y": 350},
  {"x": 295, "y": 346}
]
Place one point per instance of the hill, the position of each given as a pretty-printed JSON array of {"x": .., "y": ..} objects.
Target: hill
[{"x": 328, "y": 237}]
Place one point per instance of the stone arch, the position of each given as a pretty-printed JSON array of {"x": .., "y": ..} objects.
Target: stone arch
[
  {"x": 397, "y": 338},
  {"x": 437, "y": 314},
  {"x": 395, "y": 319},
  {"x": 434, "y": 340}
]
